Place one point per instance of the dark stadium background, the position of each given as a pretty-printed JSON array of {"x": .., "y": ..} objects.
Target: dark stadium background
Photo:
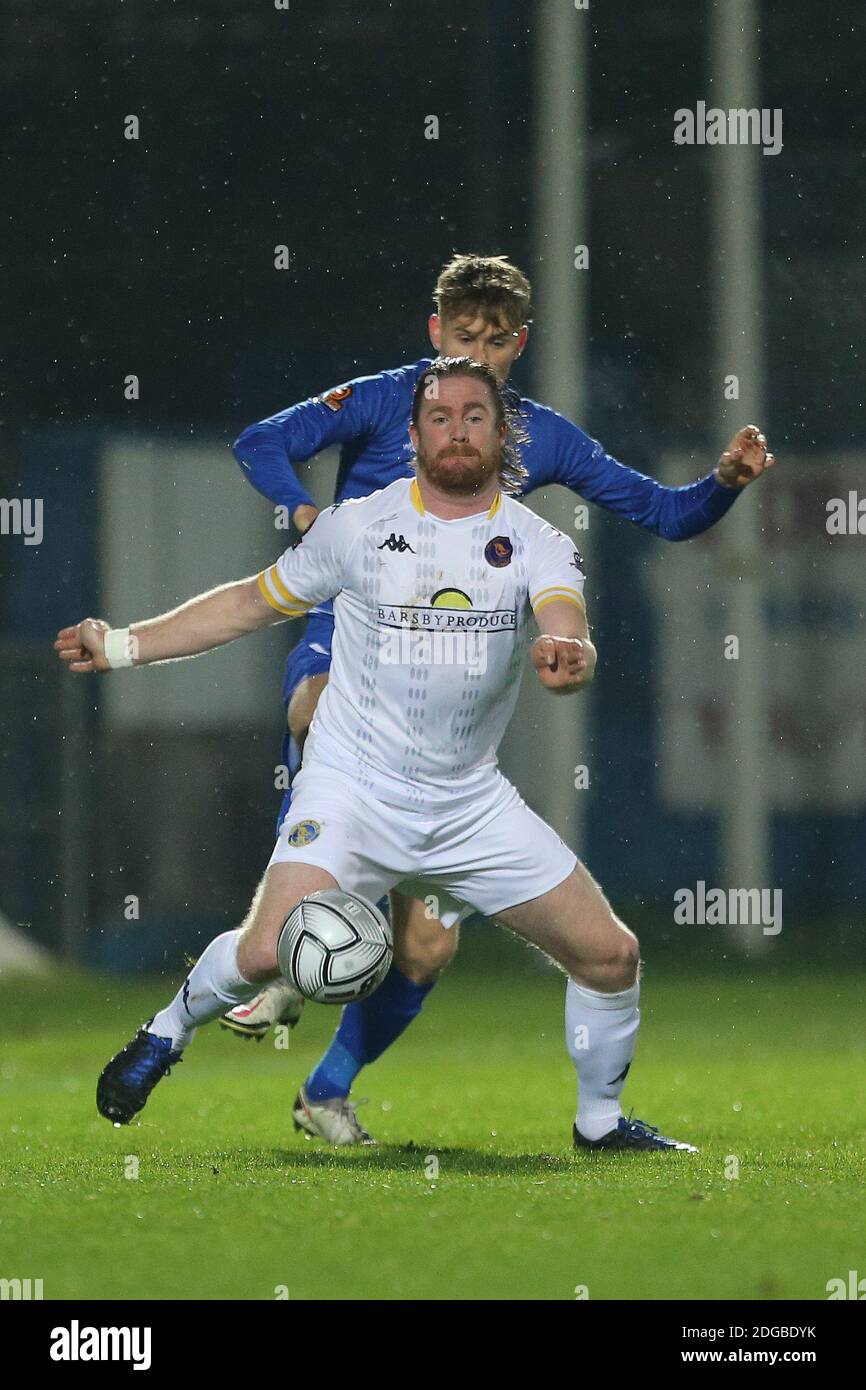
[{"x": 156, "y": 257}]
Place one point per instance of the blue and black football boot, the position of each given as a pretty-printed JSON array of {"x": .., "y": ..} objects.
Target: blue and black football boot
[
  {"x": 125, "y": 1084},
  {"x": 631, "y": 1134}
]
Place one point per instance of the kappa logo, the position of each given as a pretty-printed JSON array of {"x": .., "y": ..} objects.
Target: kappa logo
[
  {"x": 396, "y": 543},
  {"x": 622, "y": 1076},
  {"x": 336, "y": 399},
  {"x": 577, "y": 561}
]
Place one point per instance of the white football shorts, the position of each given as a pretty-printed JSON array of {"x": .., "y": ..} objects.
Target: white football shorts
[{"x": 480, "y": 855}]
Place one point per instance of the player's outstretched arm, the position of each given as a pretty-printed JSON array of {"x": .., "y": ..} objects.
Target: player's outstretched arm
[
  {"x": 563, "y": 656},
  {"x": 674, "y": 513},
  {"x": 207, "y": 621}
]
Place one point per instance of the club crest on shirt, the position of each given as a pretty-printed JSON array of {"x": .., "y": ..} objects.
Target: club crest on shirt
[
  {"x": 303, "y": 833},
  {"x": 336, "y": 399},
  {"x": 498, "y": 552}
]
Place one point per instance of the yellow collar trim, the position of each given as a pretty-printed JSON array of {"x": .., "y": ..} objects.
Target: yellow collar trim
[
  {"x": 496, "y": 504},
  {"x": 415, "y": 499}
]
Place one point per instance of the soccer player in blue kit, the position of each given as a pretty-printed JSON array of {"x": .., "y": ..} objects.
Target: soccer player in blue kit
[{"x": 482, "y": 312}]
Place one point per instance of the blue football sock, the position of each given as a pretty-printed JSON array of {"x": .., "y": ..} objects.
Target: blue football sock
[{"x": 365, "y": 1031}]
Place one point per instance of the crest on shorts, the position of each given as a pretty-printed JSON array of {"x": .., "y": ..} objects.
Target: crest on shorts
[
  {"x": 303, "y": 833},
  {"x": 336, "y": 399},
  {"x": 498, "y": 552}
]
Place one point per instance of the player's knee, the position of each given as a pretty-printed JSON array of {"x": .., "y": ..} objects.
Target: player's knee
[
  {"x": 620, "y": 967},
  {"x": 611, "y": 968},
  {"x": 422, "y": 959},
  {"x": 629, "y": 961}
]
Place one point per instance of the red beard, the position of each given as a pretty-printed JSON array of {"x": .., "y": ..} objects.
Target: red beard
[{"x": 470, "y": 474}]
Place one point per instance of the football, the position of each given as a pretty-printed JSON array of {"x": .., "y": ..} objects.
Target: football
[{"x": 335, "y": 947}]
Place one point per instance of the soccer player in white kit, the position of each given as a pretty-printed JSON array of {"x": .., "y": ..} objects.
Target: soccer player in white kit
[{"x": 435, "y": 581}]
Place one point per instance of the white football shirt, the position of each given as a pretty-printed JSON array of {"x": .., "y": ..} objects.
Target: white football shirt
[{"x": 432, "y": 624}]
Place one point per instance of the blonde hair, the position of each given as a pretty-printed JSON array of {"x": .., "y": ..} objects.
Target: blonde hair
[{"x": 489, "y": 285}]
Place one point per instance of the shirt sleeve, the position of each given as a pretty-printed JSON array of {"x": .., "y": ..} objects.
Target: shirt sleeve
[
  {"x": 314, "y": 568},
  {"x": 268, "y": 450},
  {"x": 555, "y": 570},
  {"x": 674, "y": 513}
]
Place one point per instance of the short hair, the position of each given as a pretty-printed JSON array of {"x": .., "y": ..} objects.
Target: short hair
[
  {"x": 489, "y": 285},
  {"x": 512, "y": 473}
]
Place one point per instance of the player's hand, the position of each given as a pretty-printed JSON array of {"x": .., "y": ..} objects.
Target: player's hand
[
  {"x": 304, "y": 516},
  {"x": 82, "y": 647},
  {"x": 745, "y": 458},
  {"x": 562, "y": 663}
]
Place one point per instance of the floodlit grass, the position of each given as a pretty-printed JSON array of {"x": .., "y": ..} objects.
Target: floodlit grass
[{"x": 230, "y": 1203}]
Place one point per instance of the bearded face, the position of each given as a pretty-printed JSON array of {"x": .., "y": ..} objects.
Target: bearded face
[{"x": 458, "y": 442}]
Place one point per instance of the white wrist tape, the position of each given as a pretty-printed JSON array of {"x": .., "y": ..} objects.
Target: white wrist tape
[{"x": 118, "y": 648}]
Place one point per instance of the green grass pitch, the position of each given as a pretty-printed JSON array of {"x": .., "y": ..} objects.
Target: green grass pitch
[{"x": 230, "y": 1203}]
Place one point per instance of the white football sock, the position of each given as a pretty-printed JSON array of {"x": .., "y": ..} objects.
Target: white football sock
[
  {"x": 212, "y": 987},
  {"x": 600, "y": 1033}
]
